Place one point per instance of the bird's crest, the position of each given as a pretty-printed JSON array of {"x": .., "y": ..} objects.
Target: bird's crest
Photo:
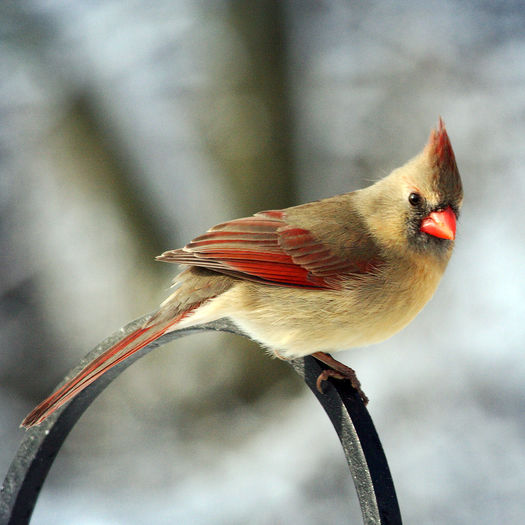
[{"x": 440, "y": 149}]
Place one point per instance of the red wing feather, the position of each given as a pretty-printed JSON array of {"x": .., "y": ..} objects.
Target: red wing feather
[{"x": 264, "y": 248}]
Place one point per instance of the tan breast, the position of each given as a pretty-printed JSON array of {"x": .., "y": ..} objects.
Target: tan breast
[{"x": 298, "y": 322}]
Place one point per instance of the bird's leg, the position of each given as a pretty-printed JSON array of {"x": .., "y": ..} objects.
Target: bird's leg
[{"x": 338, "y": 371}]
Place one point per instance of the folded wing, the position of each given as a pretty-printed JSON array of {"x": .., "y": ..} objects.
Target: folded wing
[{"x": 266, "y": 248}]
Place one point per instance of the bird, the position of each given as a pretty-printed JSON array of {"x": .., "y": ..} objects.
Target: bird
[{"x": 341, "y": 272}]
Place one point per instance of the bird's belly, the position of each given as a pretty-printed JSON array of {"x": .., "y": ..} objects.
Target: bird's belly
[
  {"x": 291, "y": 342},
  {"x": 319, "y": 321}
]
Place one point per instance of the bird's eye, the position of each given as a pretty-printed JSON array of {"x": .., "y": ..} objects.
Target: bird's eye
[{"x": 415, "y": 199}]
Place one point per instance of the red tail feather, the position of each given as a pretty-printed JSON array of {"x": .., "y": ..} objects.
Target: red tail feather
[{"x": 91, "y": 372}]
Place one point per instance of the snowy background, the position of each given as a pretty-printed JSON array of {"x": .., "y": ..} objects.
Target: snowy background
[{"x": 129, "y": 127}]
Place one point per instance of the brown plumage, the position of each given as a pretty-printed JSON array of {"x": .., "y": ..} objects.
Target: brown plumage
[{"x": 345, "y": 271}]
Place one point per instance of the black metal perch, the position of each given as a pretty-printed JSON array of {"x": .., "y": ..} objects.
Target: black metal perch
[{"x": 351, "y": 420}]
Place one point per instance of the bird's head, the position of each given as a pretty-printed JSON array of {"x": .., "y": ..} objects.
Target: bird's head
[{"x": 417, "y": 205}]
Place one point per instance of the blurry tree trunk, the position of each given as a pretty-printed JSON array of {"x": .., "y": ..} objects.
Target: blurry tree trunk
[
  {"x": 250, "y": 104},
  {"x": 246, "y": 124}
]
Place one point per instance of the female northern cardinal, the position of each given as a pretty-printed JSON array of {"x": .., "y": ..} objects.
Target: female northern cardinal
[{"x": 345, "y": 271}]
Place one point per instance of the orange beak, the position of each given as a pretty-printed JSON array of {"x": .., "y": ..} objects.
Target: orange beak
[{"x": 440, "y": 224}]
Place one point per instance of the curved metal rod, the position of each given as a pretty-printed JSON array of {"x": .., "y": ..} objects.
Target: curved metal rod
[{"x": 360, "y": 442}]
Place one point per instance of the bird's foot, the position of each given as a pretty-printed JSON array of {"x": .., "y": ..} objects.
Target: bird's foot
[{"x": 339, "y": 371}]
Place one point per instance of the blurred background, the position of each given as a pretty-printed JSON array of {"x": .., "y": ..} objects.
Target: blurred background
[{"x": 129, "y": 127}]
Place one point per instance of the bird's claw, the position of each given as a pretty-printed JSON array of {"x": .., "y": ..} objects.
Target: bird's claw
[
  {"x": 340, "y": 372},
  {"x": 335, "y": 374}
]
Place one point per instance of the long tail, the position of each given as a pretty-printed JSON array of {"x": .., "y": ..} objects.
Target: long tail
[{"x": 100, "y": 365}]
